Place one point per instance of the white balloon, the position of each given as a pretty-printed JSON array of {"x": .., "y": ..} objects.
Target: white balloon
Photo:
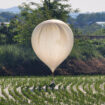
[{"x": 52, "y": 41}]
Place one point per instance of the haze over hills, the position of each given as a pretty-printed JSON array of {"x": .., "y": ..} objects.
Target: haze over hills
[
  {"x": 17, "y": 10},
  {"x": 77, "y": 19},
  {"x": 12, "y": 10}
]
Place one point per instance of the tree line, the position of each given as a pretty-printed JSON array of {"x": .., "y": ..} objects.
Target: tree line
[
  {"x": 86, "y": 23},
  {"x": 6, "y": 16},
  {"x": 20, "y": 28}
]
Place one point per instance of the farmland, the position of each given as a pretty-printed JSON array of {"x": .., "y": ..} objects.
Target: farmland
[{"x": 69, "y": 90}]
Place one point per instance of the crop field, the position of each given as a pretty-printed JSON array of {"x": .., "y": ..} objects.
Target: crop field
[{"x": 69, "y": 90}]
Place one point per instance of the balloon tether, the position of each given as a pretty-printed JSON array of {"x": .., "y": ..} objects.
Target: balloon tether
[
  {"x": 53, "y": 78},
  {"x": 52, "y": 85}
]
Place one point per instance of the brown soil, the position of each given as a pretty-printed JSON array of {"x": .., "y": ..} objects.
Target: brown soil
[
  {"x": 91, "y": 66},
  {"x": 69, "y": 67}
]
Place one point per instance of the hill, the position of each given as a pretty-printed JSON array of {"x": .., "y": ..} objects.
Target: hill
[
  {"x": 12, "y": 10},
  {"x": 6, "y": 16},
  {"x": 88, "y": 23}
]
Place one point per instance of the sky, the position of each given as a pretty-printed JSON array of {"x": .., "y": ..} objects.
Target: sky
[{"x": 83, "y": 5}]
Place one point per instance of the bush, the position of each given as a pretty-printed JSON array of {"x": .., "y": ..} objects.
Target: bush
[
  {"x": 14, "y": 54},
  {"x": 85, "y": 49}
]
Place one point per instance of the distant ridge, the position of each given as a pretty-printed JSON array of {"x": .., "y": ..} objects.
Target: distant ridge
[
  {"x": 12, "y": 10},
  {"x": 74, "y": 15}
]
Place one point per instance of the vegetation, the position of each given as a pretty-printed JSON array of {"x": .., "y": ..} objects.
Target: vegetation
[
  {"x": 21, "y": 60},
  {"x": 83, "y": 49},
  {"x": 81, "y": 90},
  {"x": 21, "y": 27},
  {"x": 99, "y": 32},
  {"x": 13, "y": 54},
  {"x": 86, "y": 23},
  {"x": 15, "y": 46},
  {"x": 48, "y": 10},
  {"x": 6, "y": 16},
  {"x": 18, "y": 58},
  {"x": 86, "y": 49},
  {"x": 88, "y": 19}
]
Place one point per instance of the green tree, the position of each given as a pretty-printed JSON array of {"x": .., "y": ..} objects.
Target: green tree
[
  {"x": 3, "y": 38},
  {"x": 3, "y": 33},
  {"x": 12, "y": 31},
  {"x": 31, "y": 17},
  {"x": 7, "y": 32}
]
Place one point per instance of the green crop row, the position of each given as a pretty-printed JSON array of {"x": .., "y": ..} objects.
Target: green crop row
[{"x": 72, "y": 90}]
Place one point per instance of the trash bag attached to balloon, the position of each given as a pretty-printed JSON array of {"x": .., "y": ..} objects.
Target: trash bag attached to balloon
[{"x": 52, "y": 41}]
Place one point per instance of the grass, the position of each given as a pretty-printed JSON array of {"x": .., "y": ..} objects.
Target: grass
[
  {"x": 86, "y": 49},
  {"x": 33, "y": 93},
  {"x": 13, "y": 53},
  {"x": 83, "y": 49}
]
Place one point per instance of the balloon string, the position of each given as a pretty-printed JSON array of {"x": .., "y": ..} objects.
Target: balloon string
[
  {"x": 53, "y": 77},
  {"x": 53, "y": 83}
]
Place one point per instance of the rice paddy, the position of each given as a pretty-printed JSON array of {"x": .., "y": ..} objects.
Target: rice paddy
[{"x": 68, "y": 90}]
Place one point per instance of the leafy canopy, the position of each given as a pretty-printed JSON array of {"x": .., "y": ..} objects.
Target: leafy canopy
[{"x": 57, "y": 9}]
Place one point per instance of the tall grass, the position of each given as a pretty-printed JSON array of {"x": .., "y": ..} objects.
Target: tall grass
[
  {"x": 12, "y": 54},
  {"x": 86, "y": 49},
  {"x": 83, "y": 49}
]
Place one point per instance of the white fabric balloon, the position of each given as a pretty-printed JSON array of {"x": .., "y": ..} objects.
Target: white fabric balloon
[{"x": 52, "y": 41}]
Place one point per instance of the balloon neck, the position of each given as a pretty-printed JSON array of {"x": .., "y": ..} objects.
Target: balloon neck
[{"x": 52, "y": 70}]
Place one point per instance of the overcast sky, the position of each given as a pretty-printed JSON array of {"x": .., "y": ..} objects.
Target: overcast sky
[{"x": 83, "y": 5}]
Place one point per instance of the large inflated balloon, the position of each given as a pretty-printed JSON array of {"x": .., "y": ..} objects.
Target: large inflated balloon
[{"x": 52, "y": 41}]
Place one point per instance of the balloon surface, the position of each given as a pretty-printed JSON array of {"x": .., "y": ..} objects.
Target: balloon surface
[{"x": 52, "y": 41}]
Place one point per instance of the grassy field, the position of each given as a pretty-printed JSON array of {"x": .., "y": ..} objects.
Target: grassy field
[{"x": 69, "y": 90}]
